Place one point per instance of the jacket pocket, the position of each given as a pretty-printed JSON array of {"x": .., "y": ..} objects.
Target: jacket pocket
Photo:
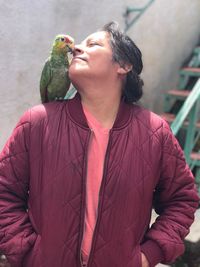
[{"x": 32, "y": 256}]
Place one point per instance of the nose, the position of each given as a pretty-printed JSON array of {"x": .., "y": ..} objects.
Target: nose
[{"x": 78, "y": 50}]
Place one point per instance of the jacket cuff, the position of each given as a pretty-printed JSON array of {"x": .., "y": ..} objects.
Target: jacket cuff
[{"x": 153, "y": 252}]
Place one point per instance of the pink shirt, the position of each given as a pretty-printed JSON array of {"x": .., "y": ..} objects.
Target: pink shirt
[{"x": 95, "y": 163}]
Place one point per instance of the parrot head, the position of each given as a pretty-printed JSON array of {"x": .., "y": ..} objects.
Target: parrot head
[{"x": 63, "y": 43}]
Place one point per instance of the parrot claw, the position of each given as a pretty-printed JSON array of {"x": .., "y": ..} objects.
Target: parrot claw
[{"x": 59, "y": 98}]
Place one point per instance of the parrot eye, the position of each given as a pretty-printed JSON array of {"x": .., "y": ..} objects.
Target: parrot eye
[{"x": 62, "y": 39}]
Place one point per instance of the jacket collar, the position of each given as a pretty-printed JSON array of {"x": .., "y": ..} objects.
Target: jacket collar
[{"x": 77, "y": 115}]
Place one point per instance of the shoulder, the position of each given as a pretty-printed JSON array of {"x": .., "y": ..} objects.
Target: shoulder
[
  {"x": 43, "y": 112},
  {"x": 151, "y": 125},
  {"x": 149, "y": 119}
]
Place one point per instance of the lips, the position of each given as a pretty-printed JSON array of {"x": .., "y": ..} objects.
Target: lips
[{"x": 79, "y": 58}]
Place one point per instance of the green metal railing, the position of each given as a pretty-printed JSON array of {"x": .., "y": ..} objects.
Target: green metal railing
[
  {"x": 140, "y": 11},
  {"x": 186, "y": 108},
  {"x": 190, "y": 111}
]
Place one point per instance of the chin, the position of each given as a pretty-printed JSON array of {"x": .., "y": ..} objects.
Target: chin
[{"x": 78, "y": 74}]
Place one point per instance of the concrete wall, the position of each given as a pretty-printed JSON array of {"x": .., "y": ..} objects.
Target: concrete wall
[{"x": 166, "y": 34}]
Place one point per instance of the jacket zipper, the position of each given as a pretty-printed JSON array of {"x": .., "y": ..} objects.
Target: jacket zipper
[
  {"x": 99, "y": 203},
  {"x": 83, "y": 206}
]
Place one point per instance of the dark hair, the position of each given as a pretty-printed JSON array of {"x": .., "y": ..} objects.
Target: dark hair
[{"x": 126, "y": 52}]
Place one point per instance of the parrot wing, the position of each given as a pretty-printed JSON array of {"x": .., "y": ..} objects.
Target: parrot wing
[{"x": 45, "y": 80}]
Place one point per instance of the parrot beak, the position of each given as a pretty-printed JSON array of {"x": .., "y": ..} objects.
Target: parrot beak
[
  {"x": 71, "y": 48},
  {"x": 69, "y": 41}
]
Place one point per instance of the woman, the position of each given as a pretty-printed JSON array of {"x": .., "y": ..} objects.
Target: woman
[{"x": 91, "y": 168}]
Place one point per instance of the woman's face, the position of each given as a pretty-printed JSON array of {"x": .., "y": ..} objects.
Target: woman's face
[{"x": 93, "y": 58}]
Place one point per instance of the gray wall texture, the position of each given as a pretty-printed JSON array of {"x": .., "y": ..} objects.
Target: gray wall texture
[{"x": 166, "y": 35}]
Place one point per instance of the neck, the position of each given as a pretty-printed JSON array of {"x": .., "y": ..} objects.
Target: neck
[{"x": 102, "y": 103}]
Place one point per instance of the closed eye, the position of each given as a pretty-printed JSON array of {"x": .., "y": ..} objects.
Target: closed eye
[{"x": 93, "y": 44}]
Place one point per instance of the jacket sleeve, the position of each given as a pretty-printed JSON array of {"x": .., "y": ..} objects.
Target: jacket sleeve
[
  {"x": 175, "y": 200},
  {"x": 16, "y": 233}
]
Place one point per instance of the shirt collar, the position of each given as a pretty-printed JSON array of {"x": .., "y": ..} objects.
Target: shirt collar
[{"x": 76, "y": 113}]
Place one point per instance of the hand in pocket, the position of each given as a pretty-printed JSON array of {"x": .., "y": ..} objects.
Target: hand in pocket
[{"x": 145, "y": 262}]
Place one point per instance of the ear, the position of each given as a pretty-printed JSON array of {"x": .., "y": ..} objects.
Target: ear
[{"x": 124, "y": 69}]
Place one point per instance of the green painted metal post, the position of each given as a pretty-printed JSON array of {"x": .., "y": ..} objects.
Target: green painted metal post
[
  {"x": 140, "y": 13},
  {"x": 183, "y": 81},
  {"x": 195, "y": 60},
  {"x": 197, "y": 180},
  {"x": 167, "y": 103},
  {"x": 191, "y": 130}
]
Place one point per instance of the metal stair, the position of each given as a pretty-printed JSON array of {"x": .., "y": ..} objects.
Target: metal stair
[
  {"x": 182, "y": 111},
  {"x": 136, "y": 12}
]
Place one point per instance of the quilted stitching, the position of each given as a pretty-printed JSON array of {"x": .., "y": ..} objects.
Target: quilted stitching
[{"x": 143, "y": 160}]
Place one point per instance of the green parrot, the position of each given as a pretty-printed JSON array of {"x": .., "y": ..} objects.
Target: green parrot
[{"x": 55, "y": 82}]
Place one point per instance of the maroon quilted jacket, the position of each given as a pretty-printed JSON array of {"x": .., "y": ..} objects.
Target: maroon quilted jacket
[{"x": 43, "y": 190}]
